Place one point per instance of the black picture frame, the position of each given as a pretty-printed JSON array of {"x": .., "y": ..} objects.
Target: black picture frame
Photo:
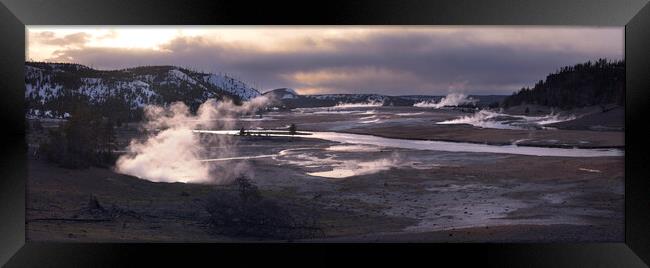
[{"x": 633, "y": 14}]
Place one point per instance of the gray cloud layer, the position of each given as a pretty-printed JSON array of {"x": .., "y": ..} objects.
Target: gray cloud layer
[
  {"x": 393, "y": 63},
  {"x": 49, "y": 38}
]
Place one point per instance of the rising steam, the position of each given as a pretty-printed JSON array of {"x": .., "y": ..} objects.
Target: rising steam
[
  {"x": 452, "y": 99},
  {"x": 372, "y": 103},
  {"x": 499, "y": 120},
  {"x": 173, "y": 153}
]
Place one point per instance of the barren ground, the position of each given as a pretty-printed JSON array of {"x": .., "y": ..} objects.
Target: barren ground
[{"x": 417, "y": 196}]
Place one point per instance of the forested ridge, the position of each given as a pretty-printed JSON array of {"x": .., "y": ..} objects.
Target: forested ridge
[
  {"x": 585, "y": 84},
  {"x": 58, "y": 88}
]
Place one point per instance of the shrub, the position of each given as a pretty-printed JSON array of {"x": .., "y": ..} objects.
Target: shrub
[
  {"x": 36, "y": 126},
  {"x": 245, "y": 213},
  {"x": 85, "y": 139},
  {"x": 292, "y": 129}
]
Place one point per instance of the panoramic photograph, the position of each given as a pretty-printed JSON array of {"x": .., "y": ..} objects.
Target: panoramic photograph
[{"x": 325, "y": 134}]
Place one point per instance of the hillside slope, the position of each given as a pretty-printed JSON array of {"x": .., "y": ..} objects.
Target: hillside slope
[
  {"x": 586, "y": 84},
  {"x": 57, "y": 87}
]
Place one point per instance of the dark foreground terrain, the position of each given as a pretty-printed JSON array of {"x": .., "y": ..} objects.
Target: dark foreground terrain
[{"x": 356, "y": 192}]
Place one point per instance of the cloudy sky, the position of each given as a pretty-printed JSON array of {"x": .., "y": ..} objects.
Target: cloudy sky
[{"x": 386, "y": 60}]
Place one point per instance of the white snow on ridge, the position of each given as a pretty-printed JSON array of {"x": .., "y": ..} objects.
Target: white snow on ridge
[
  {"x": 291, "y": 91},
  {"x": 181, "y": 76},
  {"x": 289, "y": 96},
  {"x": 44, "y": 84},
  {"x": 283, "y": 93},
  {"x": 233, "y": 86}
]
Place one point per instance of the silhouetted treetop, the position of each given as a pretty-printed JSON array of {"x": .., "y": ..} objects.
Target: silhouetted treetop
[{"x": 585, "y": 84}]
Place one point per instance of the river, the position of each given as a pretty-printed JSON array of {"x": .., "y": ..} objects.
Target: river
[{"x": 445, "y": 146}]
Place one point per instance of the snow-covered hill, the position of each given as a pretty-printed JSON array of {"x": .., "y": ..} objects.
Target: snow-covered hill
[
  {"x": 282, "y": 93},
  {"x": 55, "y": 89},
  {"x": 51, "y": 86}
]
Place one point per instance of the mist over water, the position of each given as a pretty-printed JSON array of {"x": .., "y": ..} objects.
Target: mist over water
[{"x": 172, "y": 152}]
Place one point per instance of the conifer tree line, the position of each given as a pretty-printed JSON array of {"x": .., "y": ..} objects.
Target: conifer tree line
[
  {"x": 586, "y": 84},
  {"x": 59, "y": 85}
]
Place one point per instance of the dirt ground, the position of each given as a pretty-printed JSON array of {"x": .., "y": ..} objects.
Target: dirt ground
[
  {"x": 460, "y": 192},
  {"x": 394, "y": 195},
  {"x": 138, "y": 210},
  {"x": 589, "y": 131}
]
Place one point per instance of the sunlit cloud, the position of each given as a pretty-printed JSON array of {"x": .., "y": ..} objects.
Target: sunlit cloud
[{"x": 340, "y": 59}]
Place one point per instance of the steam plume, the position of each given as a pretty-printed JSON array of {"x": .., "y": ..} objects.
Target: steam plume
[
  {"x": 499, "y": 120},
  {"x": 372, "y": 103},
  {"x": 452, "y": 99},
  {"x": 172, "y": 152}
]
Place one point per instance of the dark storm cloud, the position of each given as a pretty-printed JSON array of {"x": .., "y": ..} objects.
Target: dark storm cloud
[{"x": 388, "y": 63}]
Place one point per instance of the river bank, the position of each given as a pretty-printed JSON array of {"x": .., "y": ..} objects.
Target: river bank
[{"x": 363, "y": 187}]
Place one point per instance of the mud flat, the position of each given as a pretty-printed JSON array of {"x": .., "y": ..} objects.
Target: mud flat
[
  {"x": 594, "y": 130},
  {"x": 419, "y": 191},
  {"x": 361, "y": 192},
  {"x": 497, "y": 234},
  {"x": 398, "y": 193},
  {"x": 465, "y": 133}
]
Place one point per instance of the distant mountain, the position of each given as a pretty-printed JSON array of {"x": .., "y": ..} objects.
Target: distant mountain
[
  {"x": 56, "y": 87},
  {"x": 282, "y": 93},
  {"x": 289, "y": 99},
  {"x": 586, "y": 84}
]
